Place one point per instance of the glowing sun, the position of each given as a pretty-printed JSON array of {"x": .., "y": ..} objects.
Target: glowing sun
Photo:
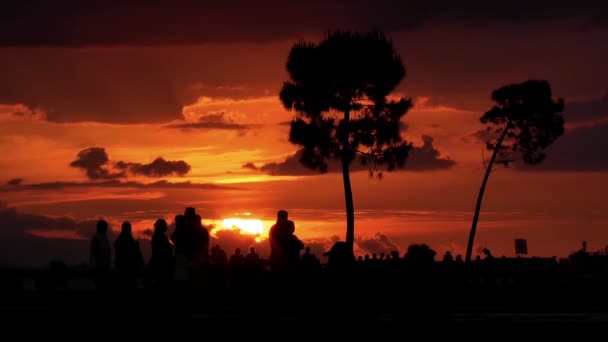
[{"x": 245, "y": 226}]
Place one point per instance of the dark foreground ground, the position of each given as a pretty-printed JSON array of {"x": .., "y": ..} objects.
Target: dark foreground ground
[
  {"x": 406, "y": 309},
  {"x": 434, "y": 303}
]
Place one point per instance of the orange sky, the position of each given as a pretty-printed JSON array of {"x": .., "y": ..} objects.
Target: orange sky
[{"x": 132, "y": 100}]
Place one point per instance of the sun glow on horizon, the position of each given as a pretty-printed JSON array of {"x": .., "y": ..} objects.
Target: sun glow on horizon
[{"x": 253, "y": 227}]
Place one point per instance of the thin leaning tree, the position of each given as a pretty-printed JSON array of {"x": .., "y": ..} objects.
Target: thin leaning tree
[
  {"x": 338, "y": 89},
  {"x": 523, "y": 123}
]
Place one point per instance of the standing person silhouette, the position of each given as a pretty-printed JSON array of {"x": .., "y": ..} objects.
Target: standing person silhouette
[
  {"x": 128, "y": 257},
  {"x": 191, "y": 242},
  {"x": 101, "y": 255},
  {"x": 162, "y": 259},
  {"x": 181, "y": 242},
  {"x": 284, "y": 244},
  {"x": 198, "y": 248}
]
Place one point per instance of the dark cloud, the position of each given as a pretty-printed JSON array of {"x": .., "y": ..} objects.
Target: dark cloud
[
  {"x": 422, "y": 158},
  {"x": 153, "y": 84},
  {"x": 15, "y": 224},
  {"x": 291, "y": 166},
  {"x": 17, "y": 252},
  {"x": 380, "y": 243},
  {"x": 96, "y": 163},
  {"x": 14, "y": 182},
  {"x": 582, "y": 146},
  {"x": 162, "y": 184},
  {"x": 125, "y": 85},
  {"x": 72, "y": 23},
  {"x": 580, "y": 149},
  {"x": 575, "y": 112},
  {"x": 586, "y": 110},
  {"x": 20, "y": 247},
  {"x": 218, "y": 121},
  {"x": 158, "y": 168},
  {"x": 249, "y": 165},
  {"x": 427, "y": 157},
  {"x": 114, "y": 86},
  {"x": 94, "y": 160}
]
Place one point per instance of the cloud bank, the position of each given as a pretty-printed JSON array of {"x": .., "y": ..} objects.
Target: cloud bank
[
  {"x": 421, "y": 158},
  {"x": 97, "y": 166}
]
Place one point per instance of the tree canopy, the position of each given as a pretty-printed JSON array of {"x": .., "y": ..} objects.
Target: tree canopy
[{"x": 339, "y": 89}]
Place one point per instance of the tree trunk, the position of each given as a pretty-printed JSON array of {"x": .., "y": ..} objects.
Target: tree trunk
[
  {"x": 481, "y": 192},
  {"x": 350, "y": 207},
  {"x": 348, "y": 191}
]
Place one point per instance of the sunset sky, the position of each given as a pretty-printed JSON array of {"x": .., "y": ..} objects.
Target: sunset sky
[{"x": 92, "y": 96}]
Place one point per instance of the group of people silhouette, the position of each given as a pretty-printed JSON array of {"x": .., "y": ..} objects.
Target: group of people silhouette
[
  {"x": 185, "y": 254},
  {"x": 186, "y": 274},
  {"x": 184, "y": 259}
]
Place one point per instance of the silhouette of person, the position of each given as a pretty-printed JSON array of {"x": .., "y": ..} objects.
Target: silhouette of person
[
  {"x": 128, "y": 257},
  {"x": 198, "y": 253},
  {"x": 252, "y": 255},
  {"x": 339, "y": 257},
  {"x": 237, "y": 260},
  {"x": 488, "y": 254},
  {"x": 448, "y": 258},
  {"x": 161, "y": 262},
  {"x": 310, "y": 263},
  {"x": 182, "y": 242},
  {"x": 284, "y": 244},
  {"x": 252, "y": 260},
  {"x": 218, "y": 256},
  {"x": 198, "y": 236},
  {"x": 178, "y": 237},
  {"x": 101, "y": 255},
  {"x": 218, "y": 268}
]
